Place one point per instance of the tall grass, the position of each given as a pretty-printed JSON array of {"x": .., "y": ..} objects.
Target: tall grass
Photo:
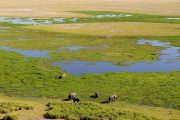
[
  {"x": 90, "y": 111},
  {"x": 10, "y": 107}
]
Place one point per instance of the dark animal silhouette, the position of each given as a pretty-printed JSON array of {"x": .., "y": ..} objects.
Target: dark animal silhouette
[
  {"x": 62, "y": 76},
  {"x": 96, "y": 95},
  {"x": 76, "y": 100},
  {"x": 112, "y": 98},
  {"x": 72, "y": 95},
  {"x": 104, "y": 102}
]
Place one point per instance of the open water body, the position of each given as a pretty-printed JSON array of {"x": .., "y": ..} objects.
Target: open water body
[{"x": 168, "y": 61}]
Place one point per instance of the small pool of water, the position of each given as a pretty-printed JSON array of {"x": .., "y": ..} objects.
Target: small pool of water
[
  {"x": 77, "y": 47},
  {"x": 29, "y": 53},
  {"x": 36, "y": 21},
  {"x": 44, "y": 53},
  {"x": 74, "y": 48},
  {"x": 173, "y": 18},
  {"x": 153, "y": 43},
  {"x": 112, "y": 16}
]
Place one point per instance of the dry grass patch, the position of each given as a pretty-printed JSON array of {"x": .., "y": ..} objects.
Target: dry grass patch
[
  {"x": 49, "y": 8},
  {"x": 34, "y": 114},
  {"x": 114, "y": 29}
]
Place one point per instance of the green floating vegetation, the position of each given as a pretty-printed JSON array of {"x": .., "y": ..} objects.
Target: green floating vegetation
[
  {"x": 90, "y": 111},
  {"x": 7, "y": 107}
]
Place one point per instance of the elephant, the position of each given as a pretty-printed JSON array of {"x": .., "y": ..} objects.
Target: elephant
[
  {"x": 72, "y": 95},
  {"x": 62, "y": 76},
  {"x": 112, "y": 98},
  {"x": 96, "y": 95},
  {"x": 76, "y": 100}
]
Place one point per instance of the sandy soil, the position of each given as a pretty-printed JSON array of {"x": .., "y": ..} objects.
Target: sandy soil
[{"x": 59, "y": 8}]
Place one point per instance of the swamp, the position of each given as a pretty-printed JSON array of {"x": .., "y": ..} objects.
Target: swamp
[{"x": 46, "y": 54}]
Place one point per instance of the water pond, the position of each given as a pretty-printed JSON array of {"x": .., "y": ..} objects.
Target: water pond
[
  {"x": 168, "y": 61},
  {"x": 112, "y": 16},
  {"x": 173, "y": 18},
  {"x": 29, "y": 53},
  {"x": 36, "y": 21}
]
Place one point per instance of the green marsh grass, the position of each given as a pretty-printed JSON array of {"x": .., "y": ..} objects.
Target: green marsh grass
[
  {"x": 120, "y": 48},
  {"x": 23, "y": 76},
  {"x": 10, "y": 117},
  {"x": 27, "y": 77},
  {"x": 90, "y": 111},
  {"x": 7, "y": 107},
  {"x": 134, "y": 18}
]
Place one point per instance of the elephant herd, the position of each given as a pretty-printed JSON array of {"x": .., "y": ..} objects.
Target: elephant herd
[{"x": 73, "y": 96}]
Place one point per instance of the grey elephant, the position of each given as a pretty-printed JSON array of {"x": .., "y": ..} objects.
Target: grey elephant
[
  {"x": 112, "y": 98},
  {"x": 72, "y": 95},
  {"x": 62, "y": 76}
]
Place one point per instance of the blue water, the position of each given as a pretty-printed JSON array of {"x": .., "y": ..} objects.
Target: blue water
[
  {"x": 44, "y": 53},
  {"x": 112, "y": 16},
  {"x": 168, "y": 61},
  {"x": 29, "y": 53},
  {"x": 76, "y": 47},
  {"x": 35, "y": 21}
]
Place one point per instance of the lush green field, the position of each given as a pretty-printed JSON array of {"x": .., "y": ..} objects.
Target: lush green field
[{"x": 27, "y": 77}]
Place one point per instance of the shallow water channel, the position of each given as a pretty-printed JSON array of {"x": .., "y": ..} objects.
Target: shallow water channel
[
  {"x": 168, "y": 61},
  {"x": 37, "y": 21}
]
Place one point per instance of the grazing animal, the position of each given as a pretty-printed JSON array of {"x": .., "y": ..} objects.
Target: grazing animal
[
  {"x": 72, "y": 95},
  {"x": 96, "y": 95},
  {"x": 112, "y": 98},
  {"x": 62, "y": 76},
  {"x": 76, "y": 100}
]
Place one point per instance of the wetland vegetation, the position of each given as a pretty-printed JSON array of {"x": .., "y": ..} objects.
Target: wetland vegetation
[
  {"x": 95, "y": 16},
  {"x": 90, "y": 111},
  {"x": 30, "y": 49}
]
